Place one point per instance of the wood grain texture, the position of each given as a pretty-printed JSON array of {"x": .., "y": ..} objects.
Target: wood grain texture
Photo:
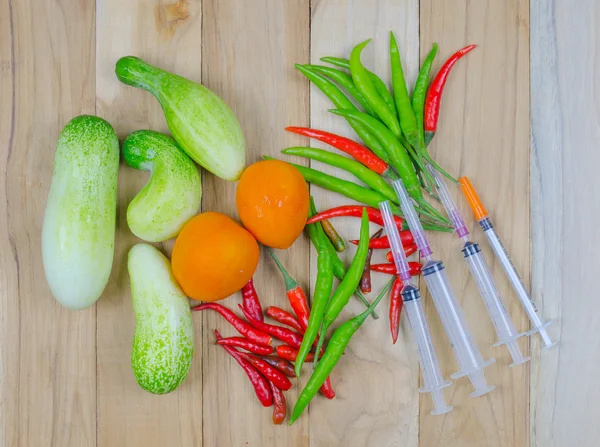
[
  {"x": 375, "y": 381},
  {"x": 167, "y": 34},
  {"x": 249, "y": 50},
  {"x": 565, "y": 185},
  {"x": 483, "y": 134}
]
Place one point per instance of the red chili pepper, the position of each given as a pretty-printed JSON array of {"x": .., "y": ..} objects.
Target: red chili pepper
[
  {"x": 251, "y": 301},
  {"x": 390, "y": 269},
  {"x": 353, "y": 211},
  {"x": 295, "y": 294},
  {"x": 406, "y": 238},
  {"x": 352, "y": 148},
  {"x": 279, "y": 406},
  {"x": 395, "y": 309},
  {"x": 244, "y": 343},
  {"x": 275, "y": 376},
  {"x": 327, "y": 390},
  {"x": 259, "y": 382},
  {"x": 289, "y": 353},
  {"x": 408, "y": 250},
  {"x": 434, "y": 94},
  {"x": 244, "y": 328},
  {"x": 365, "y": 279},
  {"x": 284, "y": 317},
  {"x": 280, "y": 333},
  {"x": 281, "y": 364}
]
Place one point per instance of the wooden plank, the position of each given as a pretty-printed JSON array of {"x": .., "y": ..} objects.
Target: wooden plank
[
  {"x": 483, "y": 133},
  {"x": 48, "y": 354},
  {"x": 167, "y": 34},
  {"x": 375, "y": 381},
  {"x": 249, "y": 49},
  {"x": 564, "y": 160}
]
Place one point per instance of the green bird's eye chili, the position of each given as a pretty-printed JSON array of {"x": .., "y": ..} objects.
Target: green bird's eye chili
[
  {"x": 395, "y": 309},
  {"x": 284, "y": 317},
  {"x": 345, "y": 81},
  {"x": 408, "y": 122},
  {"x": 280, "y": 333},
  {"x": 295, "y": 293},
  {"x": 420, "y": 90},
  {"x": 341, "y": 101},
  {"x": 378, "y": 83},
  {"x": 243, "y": 327},
  {"x": 333, "y": 236},
  {"x": 244, "y": 343},
  {"x": 365, "y": 279},
  {"x": 259, "y": 382},
  {"x": 364, "y": 84},
  {"x": 375, "y": 162},
  {"x": 337, "y": 344},
  {"x": 321, "y": 295},
  {"x": 364, "y": 174},
  {"x": 434, "y": 94},
  {"x": 250, "y": 300},
  {"x": 339, "y": 269}
]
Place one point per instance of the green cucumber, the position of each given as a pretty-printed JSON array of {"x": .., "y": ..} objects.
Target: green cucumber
[
  {"x": 78, "y": 234},
  {"x": 163, "y": 341},
  {"x": 172, "y": 195},
  {"x": 200, "y": 121}
]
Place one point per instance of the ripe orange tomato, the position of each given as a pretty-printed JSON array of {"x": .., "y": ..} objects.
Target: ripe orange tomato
[
  {"x": 213, "y": 257},
  {"x": 272, "y": 200}
]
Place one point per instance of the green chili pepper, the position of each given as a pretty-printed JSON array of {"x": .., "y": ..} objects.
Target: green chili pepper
[
  {"x": 378, "y": 83},
  {"x": 321, "y": 294},
  {"x": 320, "y": 242},
  {"x": 399, "y": 159},
  {"x": 364, "y": 84},
  {"x": 360, "y": 171},
  {"x": 340, "y": 100},
  {"x": 345, "y": 81},
  {"x": 420, "y": 90},
  {"x": 335, "y": 349},
  {"x": 408, "y": 122}
]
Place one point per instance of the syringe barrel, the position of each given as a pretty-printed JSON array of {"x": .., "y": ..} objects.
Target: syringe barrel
[
  {"x": 430, "y": 367},
  {"x": 412, "y": 218},
  {"x": 467, "y": 354},
  {"x": 514, "y": 278},
  {"x": 457, "y": 222},
  {"x": 505, "y": 328},
  {"x": 395, "y": 243}
]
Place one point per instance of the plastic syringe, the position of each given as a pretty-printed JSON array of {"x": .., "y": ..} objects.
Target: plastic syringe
[
  {"x": 488, "y": 229},
  {"x": 505, "y": 328},
  {"x": 467, "y": 354},
  {"x": 433, "y": 380}
]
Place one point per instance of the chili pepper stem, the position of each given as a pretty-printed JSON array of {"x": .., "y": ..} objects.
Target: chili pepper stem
[
  {"x": 290, "y": 283},
  {"x": 438, "y": 167}
]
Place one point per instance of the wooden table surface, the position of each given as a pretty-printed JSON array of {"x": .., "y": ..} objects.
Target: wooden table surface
[{"x": 520, "y": 117}]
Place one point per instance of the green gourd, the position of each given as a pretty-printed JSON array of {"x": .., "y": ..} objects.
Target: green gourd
[
  {"x": 163, "y": 341},
  {"x": 78, "y": 234},
  {"x": 172, "y": 195},
  {"x": 200, "y": 121}
]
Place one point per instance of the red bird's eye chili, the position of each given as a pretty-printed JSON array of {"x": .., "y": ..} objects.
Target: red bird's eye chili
[
  {"x": 250, "y": 300},
  {"x": 365, "y": 280},
  {"x": 281, "y": 364},
  {"x": 395, "y": 309},
  {"x": 408, "y": 250},
  {"x": 279, "y": 406},
  {"x": 378, "y": 164},
  {"x": 434, "y": 94},
  {"x": 275, "y": 376},
  {"x": 373, "y": 214},
  {"x": 327, "y": 390},
  {"x": 243, "y": 327},
  {"x": 284, "y": 317},
  {"x": 406, "y": 238},
  {"x": 295, "y": 293},
  {"x": 244, "y": 343},
  {"x": 291, "y": 354},
  {"x": 390, "y": 269},
  {"x": 259, "y": 382},
  {"x": 333, "y": 235},
  {"x": 280, "y": 333}
]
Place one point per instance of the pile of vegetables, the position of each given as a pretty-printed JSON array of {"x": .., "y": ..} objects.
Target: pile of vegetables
[{"x": 214, "y": 256}]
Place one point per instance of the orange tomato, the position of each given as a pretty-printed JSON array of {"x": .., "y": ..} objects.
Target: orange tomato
[
  {"x": 213, "y": 257},
  {"x": 272, "y": 201}
]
